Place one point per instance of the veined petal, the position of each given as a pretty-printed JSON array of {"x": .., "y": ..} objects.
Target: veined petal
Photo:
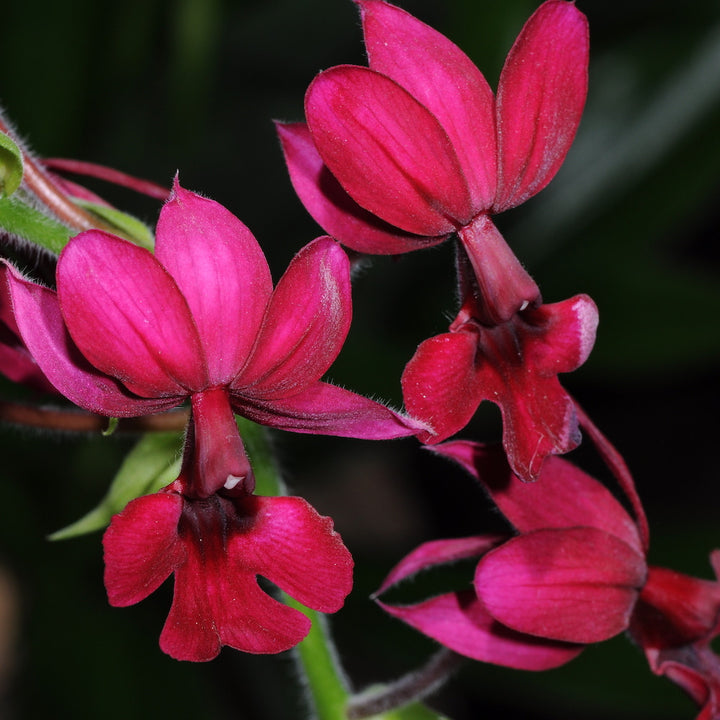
[
  {"x": 439, "y": 552},
  {"x": 444, "y": 79},
  {"x": 305, "y": 326},
  {"x": 388, "y": 151},
  {"x": 142, "y": 548},
  {"x": 577, "y": 584},
  {"x": 439, "y": 384},
  {"x": 43, "y": 330},
  {"x": 332, "y": 208},
  {"x": 297, "y": 549},
  {"x": 460, "y": 622},
  {"x": 563, "y": 496},
  {"x": 326, "y": 409},
  {"x": 222, "y": 272},
  {"x": 127, "y": 316},
  {"x": 540, "y": 100}
]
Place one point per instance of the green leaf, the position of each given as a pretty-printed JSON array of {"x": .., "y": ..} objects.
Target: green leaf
[
  {"x": 18, "y": 218},
  {"x": 11, "y": 166},
  {"x": 126, "y": 225},
  {"x": 153, "y": 463}
]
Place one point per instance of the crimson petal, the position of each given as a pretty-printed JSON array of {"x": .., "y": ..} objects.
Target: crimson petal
[
  {"x": 305, "y": 326},
  {"x": 388, "y": 151},
  {"x": 564, "y": 496},
  {"x": 333, "y": 209},
  {"x": 43, "y": 330},
  {"x": 540, "y": 100},
  {"x": 575, "y": 584},
  {"x": 142, "y": 548},
  {"x": 127, "y": 316},
  {"x": 326, "y": 409},
  {"x": 222, "y": 273},
  {"x": 460, "y": 622},
  {"x": 444, "y": 79}
]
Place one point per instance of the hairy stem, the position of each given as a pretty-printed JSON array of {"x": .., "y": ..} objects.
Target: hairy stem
[{"x": 76, "y": 420}]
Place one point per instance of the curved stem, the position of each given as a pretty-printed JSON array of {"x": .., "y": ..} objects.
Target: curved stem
[
  {"x": 411, "y": 687},
  {"x": 50, "y": 418}
]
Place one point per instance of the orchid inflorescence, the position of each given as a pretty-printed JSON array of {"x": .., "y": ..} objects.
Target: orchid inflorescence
[{"x": 409, "y": 152}]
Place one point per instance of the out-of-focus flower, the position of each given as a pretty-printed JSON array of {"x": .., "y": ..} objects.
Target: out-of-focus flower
[{"x": 574, "y": 572}]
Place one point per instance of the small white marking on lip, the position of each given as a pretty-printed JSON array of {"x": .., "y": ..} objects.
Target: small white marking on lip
[{"x": 232, "y": 481}]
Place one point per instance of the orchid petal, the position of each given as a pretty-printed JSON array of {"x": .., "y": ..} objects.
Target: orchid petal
[
  {"x": 332, "y": 208},
  {"x": 575, "y": 584},
  {"x": 540, "y": 100},
  {"x": 222, "y": 272},
  {"x": 224, "y": 605},
  {"x": 297, "y": 549},
  {"x": 444, "y": 79},
  {"x": 326, "y": 409},
  {"x": 439, "y": 552},
  {"x": 439, "y": 384},
  {"x": 461, "y": 623},
  {"x": 43, "y": 330},
  {"x": 305, "y": 326},
  {"x": 538, "y": 415},
  {"x": 127, "y": 316},
  {"x": 142, "y": 548},
  {"x": 563, "y": 496},
  {"x": 389, "y": 152},
  {"x": 568, "y": 336}
]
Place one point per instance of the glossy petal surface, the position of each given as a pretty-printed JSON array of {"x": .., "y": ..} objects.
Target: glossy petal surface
[
  {"x": 460, "y": 622},
  {"x": 305, "y": 326},
  {"x": 221, "y": 272},
  {"x": 439, "y": 384},
  {"x": 563, "y": 496},
  {"x": 443, "y": 79},
  {"x": 43, "y": 330},
  {"x": 575, "y": 584},
  {"x": 128, "y": 317},
  {"x": 328, "y": 410},
  {"x": 142, "y": 548},
  {"x": 389, "y": 152},
  {"x": 540, "y": 99},
  {"x": 332, "y": 208}
]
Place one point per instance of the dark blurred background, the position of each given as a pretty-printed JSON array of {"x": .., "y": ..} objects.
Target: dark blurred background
[{"x": 632, "y": 219}]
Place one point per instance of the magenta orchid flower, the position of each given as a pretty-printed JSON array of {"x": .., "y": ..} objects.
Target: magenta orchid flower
[
  {"x": 515, "y": 365},
  {"x": 573, "y": 573},
  {"x": 131, "y": 333},
  {"x": 401, "y": 154},
  {"x": 216, "y": 546}
]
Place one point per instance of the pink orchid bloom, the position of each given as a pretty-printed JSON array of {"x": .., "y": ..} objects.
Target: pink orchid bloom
[
  {"x": 216, "y": 547},
  {"x": 574, "y": 573},
  {"x": 401, "y": 154},
  {"x": 131, "y": 333},
  {"x": 513, "y": 364}
]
